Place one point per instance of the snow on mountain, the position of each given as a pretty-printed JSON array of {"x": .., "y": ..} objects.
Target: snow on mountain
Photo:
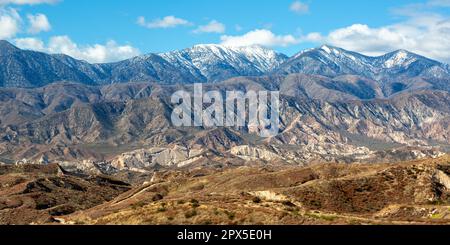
[
  {"x": 327, "y": 61},
  {"x": 216, "y": 62},
  {"x": 406, "y": 64},
  {"x": 332, "y": 61},
  {"x": 400, "y": 58}
]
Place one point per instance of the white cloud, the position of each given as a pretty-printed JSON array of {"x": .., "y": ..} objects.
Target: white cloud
[
  {"x": 166, "y": 22},
  {"x": 313, "y": 37},
  {"x": 427, "y": 35},
  {"x": 30, "y": 43},
  {"x": 38, "y": 23},
  {"x": 212, "y": 27},
  {"x": 261, "y": 37},
  {"x": 299, "y": 7},
  {"x": 423, "y": 31},
  {"x": 97, "y": 53},
  {"x": 9, "y": 23},
  {"x": 27, "y": 2}
]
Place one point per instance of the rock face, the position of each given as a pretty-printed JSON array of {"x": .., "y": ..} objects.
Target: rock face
[
  {"x": 443, "y": 179},
  {"x": 60, "y": 122},
  {"x": 150, "y": 158},
  {"x": 253, "y": 153},
  {"x": 335, "y": 106}
]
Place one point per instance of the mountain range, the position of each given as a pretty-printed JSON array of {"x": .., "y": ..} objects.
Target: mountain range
[
  {"x": 202, "y": 63},
  {"x": 394, "y": 72},
  {"x": 85, "y": 143},
  {"x": 336, "y": 106}
]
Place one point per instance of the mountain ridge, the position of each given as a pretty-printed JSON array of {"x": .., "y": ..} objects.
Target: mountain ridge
[
  {"x": 340, "y": 61},
  {"x": 211, "y": 63},
  {"x": 206, "y": 59}
]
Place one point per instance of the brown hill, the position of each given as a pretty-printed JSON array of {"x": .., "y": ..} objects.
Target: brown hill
[
  {"x": 31, "y": 194},
  {"x": 414, "y": 192}
]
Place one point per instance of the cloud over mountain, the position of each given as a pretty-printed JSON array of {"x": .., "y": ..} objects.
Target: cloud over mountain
[
  {"x": 261, "y": 37},
  {"x": 38, "y": 23},
  {"x": 97, "y": 53},
  {"x": 9, "y": 23},
  {"x": 423, "y": 31}
]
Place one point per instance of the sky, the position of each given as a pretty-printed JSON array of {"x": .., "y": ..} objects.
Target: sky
[{"x": 106, "y": 31}]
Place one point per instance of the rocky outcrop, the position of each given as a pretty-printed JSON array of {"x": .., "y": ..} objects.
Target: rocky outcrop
[
  {"x": 442, "y": 178},
  {"x": 65, "y": 123},
  {"x": 146, "y": 159}
]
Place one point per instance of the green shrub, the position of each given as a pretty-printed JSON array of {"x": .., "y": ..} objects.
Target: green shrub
[
  {"x": 190, "y": 214},
  {"x": 195, "y": 203},
  {"x": 230, "y": 215}
]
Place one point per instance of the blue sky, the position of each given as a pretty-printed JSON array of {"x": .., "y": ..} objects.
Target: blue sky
[{"x": 103, "y": 31}]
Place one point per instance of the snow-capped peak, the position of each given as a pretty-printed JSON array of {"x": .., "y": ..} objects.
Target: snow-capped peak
[
  {"x": 249, "y": 51},
  {"x": 326, "y": 49},
  {"x": 330, "y": 50},
  {"x": 399, "y": 58},
  {"x": 206, "y": 59}
]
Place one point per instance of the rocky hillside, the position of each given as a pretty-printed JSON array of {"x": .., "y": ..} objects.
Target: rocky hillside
[
  {"x": 414, "y": 192},
  {"x": 336, "y": 106},
  {"x": 37, "y": 194},
  {"x": 73, "y": 122}
]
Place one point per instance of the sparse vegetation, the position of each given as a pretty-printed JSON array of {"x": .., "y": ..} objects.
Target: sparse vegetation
[
  {"x": 137, "y": 205},
  {"x": 191, "y": 213},
  {"x": 294, "y": 210},
  {"x": 195, "y": 203},
  {"x": 354, "y": 198},
  {"x": 437, "y": 216},
  {"x": 157, "y": 197},
  {"x": 325, "y": 217},
  {"x": 288, "y": 204},
  {"x": 162, "y": 208},
  {"x": 207, "y": 222},
  {"x": 230, "y": 215},
  {"x": 256, "y": 200}
]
